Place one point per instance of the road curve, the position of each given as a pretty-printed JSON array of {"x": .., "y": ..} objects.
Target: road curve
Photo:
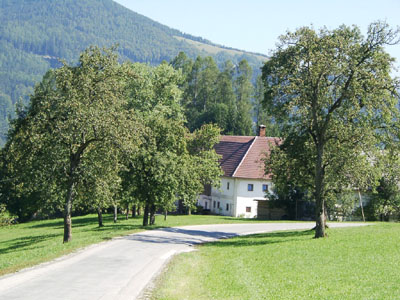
[{"x": 122, "y": 267}]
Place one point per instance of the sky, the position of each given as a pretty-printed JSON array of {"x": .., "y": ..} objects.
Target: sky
[{"x": 255, "y": 25}]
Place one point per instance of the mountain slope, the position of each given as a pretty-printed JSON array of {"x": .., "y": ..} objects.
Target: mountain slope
[{"x": 36, "y": 34}]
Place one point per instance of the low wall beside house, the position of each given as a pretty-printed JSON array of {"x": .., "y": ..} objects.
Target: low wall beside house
[{"x": 266, "y": 212}]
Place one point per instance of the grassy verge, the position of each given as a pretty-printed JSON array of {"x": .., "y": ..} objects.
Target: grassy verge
[
  {"x": 27, "y": 244},
  {"x": 352, "y": 263}
]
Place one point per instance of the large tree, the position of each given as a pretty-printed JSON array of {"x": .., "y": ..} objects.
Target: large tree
[
  {"x": 200, "y": 165},
  {"x": 73, "y": 123},
  {"x": 332, "y": 93},
  {"x": 153, "y": 171},
  {"x": 171, "y": 162}
]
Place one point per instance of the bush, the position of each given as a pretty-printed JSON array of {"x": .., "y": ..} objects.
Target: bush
[
  {"x": 198, "y": 210},
  {"x": 5, "y": 217}
]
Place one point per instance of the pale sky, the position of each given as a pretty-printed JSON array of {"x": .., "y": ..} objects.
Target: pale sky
[{"x": 255, "y": 25}]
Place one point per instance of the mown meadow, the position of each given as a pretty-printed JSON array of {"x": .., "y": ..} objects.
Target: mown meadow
[{"x": 351, "y": 263}]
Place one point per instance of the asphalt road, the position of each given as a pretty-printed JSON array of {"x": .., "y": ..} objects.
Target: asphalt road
[{"x": 122, "y": 267}]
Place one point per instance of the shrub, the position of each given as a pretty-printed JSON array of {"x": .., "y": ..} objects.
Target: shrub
[{"x": 5, "y": 217}]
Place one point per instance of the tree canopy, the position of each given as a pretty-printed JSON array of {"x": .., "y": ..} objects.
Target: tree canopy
[
  {"x": 222, "y": 97},
  {"x": 168, "y": 166},
  {"x": 101, "y": 133},
  {"x": 78, "y": 119},
  {"x": 332, "y": 95}
]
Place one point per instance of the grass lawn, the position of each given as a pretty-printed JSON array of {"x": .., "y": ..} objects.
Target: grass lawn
[
  {"x": 27, "y": 244},
  {"x": 352, "y": 263}
]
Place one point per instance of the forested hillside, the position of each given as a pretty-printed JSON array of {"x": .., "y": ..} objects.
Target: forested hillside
[{"x": 35, "y": 35}]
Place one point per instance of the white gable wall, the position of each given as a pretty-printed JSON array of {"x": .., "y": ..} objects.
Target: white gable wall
[
  {"x": 233, "y": 200},
  {"x": 247, "y": 198}
]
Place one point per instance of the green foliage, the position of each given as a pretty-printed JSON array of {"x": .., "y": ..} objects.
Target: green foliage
[
  {"x": 200, "y": 167},
  {"x": 5, "y": 217},
  {"x": 341, "y": 206},
  {"x": 211, "y": 96},
  {"x": 171, "y": 162},
  {"x": 244, "y": 92},
  {"x": 76, "y": 145},
  {"x": 74, "y": 132},
  {"x": 384, "y": 205},
  {"x": 153, "y": 171},
  {"x": 260, "y": 113},
  {"x": 330, "y": 92}
]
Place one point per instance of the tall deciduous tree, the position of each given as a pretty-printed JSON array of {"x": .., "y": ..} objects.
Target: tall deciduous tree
[
  {"x": 70, "y": 122},
  {"x": 167, "y": 165},
  {"x": 153, "y": 171},
  {"x": 331, "y": 91},
  {"x": 200, "y": 165}
]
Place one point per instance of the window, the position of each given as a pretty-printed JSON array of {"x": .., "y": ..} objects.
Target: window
[
  {"x": 248, "y": 209},
  {"x": 214, "y": 203},
  {"x": 250, "y": 187},
  {"x": 206, "y": 205},
  {"x": 227, "y": 185},
  {"x": 227, "y": 206},
  {"x": 218, "y": 204},
  {"x": 265, "y": 187}
]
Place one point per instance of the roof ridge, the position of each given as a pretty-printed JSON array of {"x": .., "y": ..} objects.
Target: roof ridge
[{"x": 244, "y": 156}]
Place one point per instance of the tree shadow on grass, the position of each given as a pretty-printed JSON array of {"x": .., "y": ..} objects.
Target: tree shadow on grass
[
  {"x": 263, "y": 239},
  {"x": 117, "y": 227},
  {"x": 76, "y": 222},
  {"x": 20, "y": 244}
]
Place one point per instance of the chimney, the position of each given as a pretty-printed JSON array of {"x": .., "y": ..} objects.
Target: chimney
[{"x": 261, "y": 130}]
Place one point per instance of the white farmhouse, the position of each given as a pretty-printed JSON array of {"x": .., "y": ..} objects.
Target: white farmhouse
[{"x": 244, "y": 184}]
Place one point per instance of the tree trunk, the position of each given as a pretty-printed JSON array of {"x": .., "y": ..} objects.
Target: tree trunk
[
  {"x": 165, "y": 215},
  {"x": 138, "y": 211},
  {"x": 67, "y": 212},
  {"x": 319, "y": 200},
  {"x": 146, "y": 215},
  {"x": 100, "y": 217},
  {"x": 133, "y": 211},
  {"x": 189, "y": 211},
  {"x": 152, "y": 214},
  {"x": 115, "y": 213},
  {"x": 127, "y": 212},
  {"x": 361, "y": 205}
]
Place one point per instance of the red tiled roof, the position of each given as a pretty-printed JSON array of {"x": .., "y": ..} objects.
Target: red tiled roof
[
  {"x": 232, "y": 149},
  {"x": 242, "y": 155}
]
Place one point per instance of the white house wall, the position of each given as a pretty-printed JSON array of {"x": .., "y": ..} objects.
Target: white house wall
[
  {"x": 247, "y": 198},
  {"x": 236, "y": 198},
  {"x": 224, "y": 197}
]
